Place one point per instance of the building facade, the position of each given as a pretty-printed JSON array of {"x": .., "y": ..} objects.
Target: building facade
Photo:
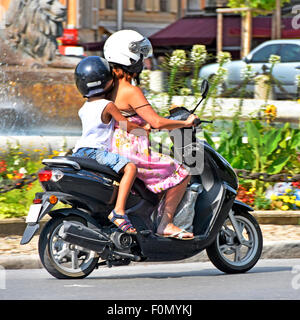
[{"x": 97, "y": 18}]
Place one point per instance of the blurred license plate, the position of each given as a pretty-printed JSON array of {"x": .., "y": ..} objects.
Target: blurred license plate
[{"x": 33, "y": 213}]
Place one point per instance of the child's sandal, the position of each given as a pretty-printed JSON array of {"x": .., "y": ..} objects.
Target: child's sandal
[{"x": 125, "y": 226}]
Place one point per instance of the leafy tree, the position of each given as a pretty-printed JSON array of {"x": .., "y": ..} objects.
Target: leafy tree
[{"x": 267, "y": 5}]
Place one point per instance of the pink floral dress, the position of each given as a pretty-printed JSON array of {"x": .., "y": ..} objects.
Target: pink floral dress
[{"x": 159, "y": 172}]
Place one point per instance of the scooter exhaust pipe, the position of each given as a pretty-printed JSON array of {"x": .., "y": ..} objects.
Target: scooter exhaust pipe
[{"x": 79, "y": 234}]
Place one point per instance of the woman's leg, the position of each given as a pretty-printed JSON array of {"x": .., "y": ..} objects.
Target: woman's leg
[{"x": 172, "y": 200}]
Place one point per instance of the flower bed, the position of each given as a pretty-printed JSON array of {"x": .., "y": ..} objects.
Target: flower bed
[
  {"x": 282, "y": 196},
  {"x": 15, "y": 165}
]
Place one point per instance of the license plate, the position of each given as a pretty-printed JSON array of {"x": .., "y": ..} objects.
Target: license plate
[{"x": 33, "y": 213}]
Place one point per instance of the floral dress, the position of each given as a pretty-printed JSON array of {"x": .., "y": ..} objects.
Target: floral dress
[{"x": 159, "y": 172}]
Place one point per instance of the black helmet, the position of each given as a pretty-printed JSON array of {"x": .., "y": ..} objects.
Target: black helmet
[{"x": 93, "y": 76}]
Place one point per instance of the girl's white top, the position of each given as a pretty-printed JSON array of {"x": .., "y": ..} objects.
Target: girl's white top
[{"x": 95, "y": 133}]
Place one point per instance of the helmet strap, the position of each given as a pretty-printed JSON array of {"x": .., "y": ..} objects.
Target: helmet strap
[{"x": 137, "y": 78}]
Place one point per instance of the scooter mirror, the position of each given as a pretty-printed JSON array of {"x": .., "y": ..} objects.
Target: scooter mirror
[{"x": 204, "y": 88}]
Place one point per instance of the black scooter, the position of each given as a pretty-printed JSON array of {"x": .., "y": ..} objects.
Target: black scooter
[{"x": 79, "y": 238}]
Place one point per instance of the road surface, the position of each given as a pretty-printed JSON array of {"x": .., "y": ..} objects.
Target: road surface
[{"x": 269, "y": 279}]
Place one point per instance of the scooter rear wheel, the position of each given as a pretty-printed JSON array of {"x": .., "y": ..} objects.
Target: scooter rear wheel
[
  {"x": 228, "y": 254},
  {"x": 60, "y": 258}
]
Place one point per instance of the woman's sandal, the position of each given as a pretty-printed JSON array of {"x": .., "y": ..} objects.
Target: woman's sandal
[{"x": 125, "y": 226}]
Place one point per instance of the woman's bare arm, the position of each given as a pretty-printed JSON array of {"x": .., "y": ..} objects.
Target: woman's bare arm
[
  {"x": 114, "y": 112},
  {"x": 137, "y": 98}
]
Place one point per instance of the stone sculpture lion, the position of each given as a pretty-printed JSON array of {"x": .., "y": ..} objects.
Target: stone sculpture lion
[{"x": 32, "y": 27}]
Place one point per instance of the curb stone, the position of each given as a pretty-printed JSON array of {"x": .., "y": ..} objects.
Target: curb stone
[
  {"x": 21, "y": 261},
  {"x": 271, "y": 250}
]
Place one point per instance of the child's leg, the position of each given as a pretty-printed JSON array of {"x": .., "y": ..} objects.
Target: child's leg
[
  {"x": 120, "y": 165},
  {"x": 125, "y": 187},
  {"x": 118, "y": 215}
]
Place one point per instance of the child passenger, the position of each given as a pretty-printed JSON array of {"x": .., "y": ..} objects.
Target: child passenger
[{"x": 98, "y": 115}]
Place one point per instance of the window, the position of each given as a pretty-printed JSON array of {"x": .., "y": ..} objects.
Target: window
[
  {"x": 110, "y": 4},
  {"x": 290, "y": 53},
  {"x": 139, "y": 5},
  {"x": 89, "y": 14},
  {"x": 193, "y": 5},
  {"x": 264, "y": 53},
  {"x": 164, "y": 5}
]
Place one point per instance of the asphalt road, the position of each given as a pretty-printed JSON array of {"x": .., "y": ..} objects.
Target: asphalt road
[{"x": 269, "y": 279}]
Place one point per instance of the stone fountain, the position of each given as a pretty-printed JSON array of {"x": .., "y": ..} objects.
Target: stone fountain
[{"x": 37, "y": 92}]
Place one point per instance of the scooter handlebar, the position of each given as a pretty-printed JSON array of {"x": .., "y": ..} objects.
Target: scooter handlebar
[{"x": 198, "y": 121}]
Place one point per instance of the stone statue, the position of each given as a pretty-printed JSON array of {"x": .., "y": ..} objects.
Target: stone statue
[{"x": 32, "y": 27}]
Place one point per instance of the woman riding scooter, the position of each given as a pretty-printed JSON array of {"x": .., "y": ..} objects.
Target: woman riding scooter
[{"x": 125, "y": 51}]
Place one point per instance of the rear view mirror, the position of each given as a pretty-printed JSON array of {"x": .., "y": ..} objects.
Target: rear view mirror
[
  {"x": 204, "y": 88},
  {"x": 246, "y": 60}
]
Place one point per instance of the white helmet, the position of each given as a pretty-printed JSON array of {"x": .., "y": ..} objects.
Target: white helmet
[{"x": 127, "y": 48}]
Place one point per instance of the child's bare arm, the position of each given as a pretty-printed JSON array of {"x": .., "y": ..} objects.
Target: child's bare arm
[{"x": 114, "y": 112}]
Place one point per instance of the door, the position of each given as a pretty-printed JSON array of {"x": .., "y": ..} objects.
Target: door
[
  {"x": 260, "y": 58},
  {"x": 288, "y": 68}
]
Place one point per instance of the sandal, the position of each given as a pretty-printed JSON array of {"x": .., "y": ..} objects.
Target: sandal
[{"x": 125, "y": 226}]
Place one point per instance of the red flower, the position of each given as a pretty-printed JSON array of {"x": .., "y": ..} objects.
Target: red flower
[
  {"x": 3, "y": 166},
  {"x": 296, "y": 184},
  {"x": 18, "y": 176},
  {"x": 245, "y": 196}
]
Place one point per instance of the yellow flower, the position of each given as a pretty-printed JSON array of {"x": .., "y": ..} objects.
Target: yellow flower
[
  {"x": 285, "y": 207},
  {"x": 286, "y": 199},
  {"x": 270, "y": 112},
  {"x": 273, "y": 197},
  {"x": 9, "y": 176},
  {"x": 252, "y": 190},
  {"x": 297, "y": 203},
  {"x": 292, "y": 201},
  {"x": 288, "y": 190}
]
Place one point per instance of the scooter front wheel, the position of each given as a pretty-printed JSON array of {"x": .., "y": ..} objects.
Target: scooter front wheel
[
  {"x": 233, "y": 255},
  {"x": 62, "y": 259}
]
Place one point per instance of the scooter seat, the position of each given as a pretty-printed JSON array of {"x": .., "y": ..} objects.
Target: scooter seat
[
  {"x": 138, "y": 186},
  {"x": 91, "y": 164}
]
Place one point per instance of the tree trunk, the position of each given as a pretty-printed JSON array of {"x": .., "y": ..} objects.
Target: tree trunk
[{"x": 246, "y": 33}]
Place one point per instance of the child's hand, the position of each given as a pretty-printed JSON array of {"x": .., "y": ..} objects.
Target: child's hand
[{"x": 147, "y": 127}]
